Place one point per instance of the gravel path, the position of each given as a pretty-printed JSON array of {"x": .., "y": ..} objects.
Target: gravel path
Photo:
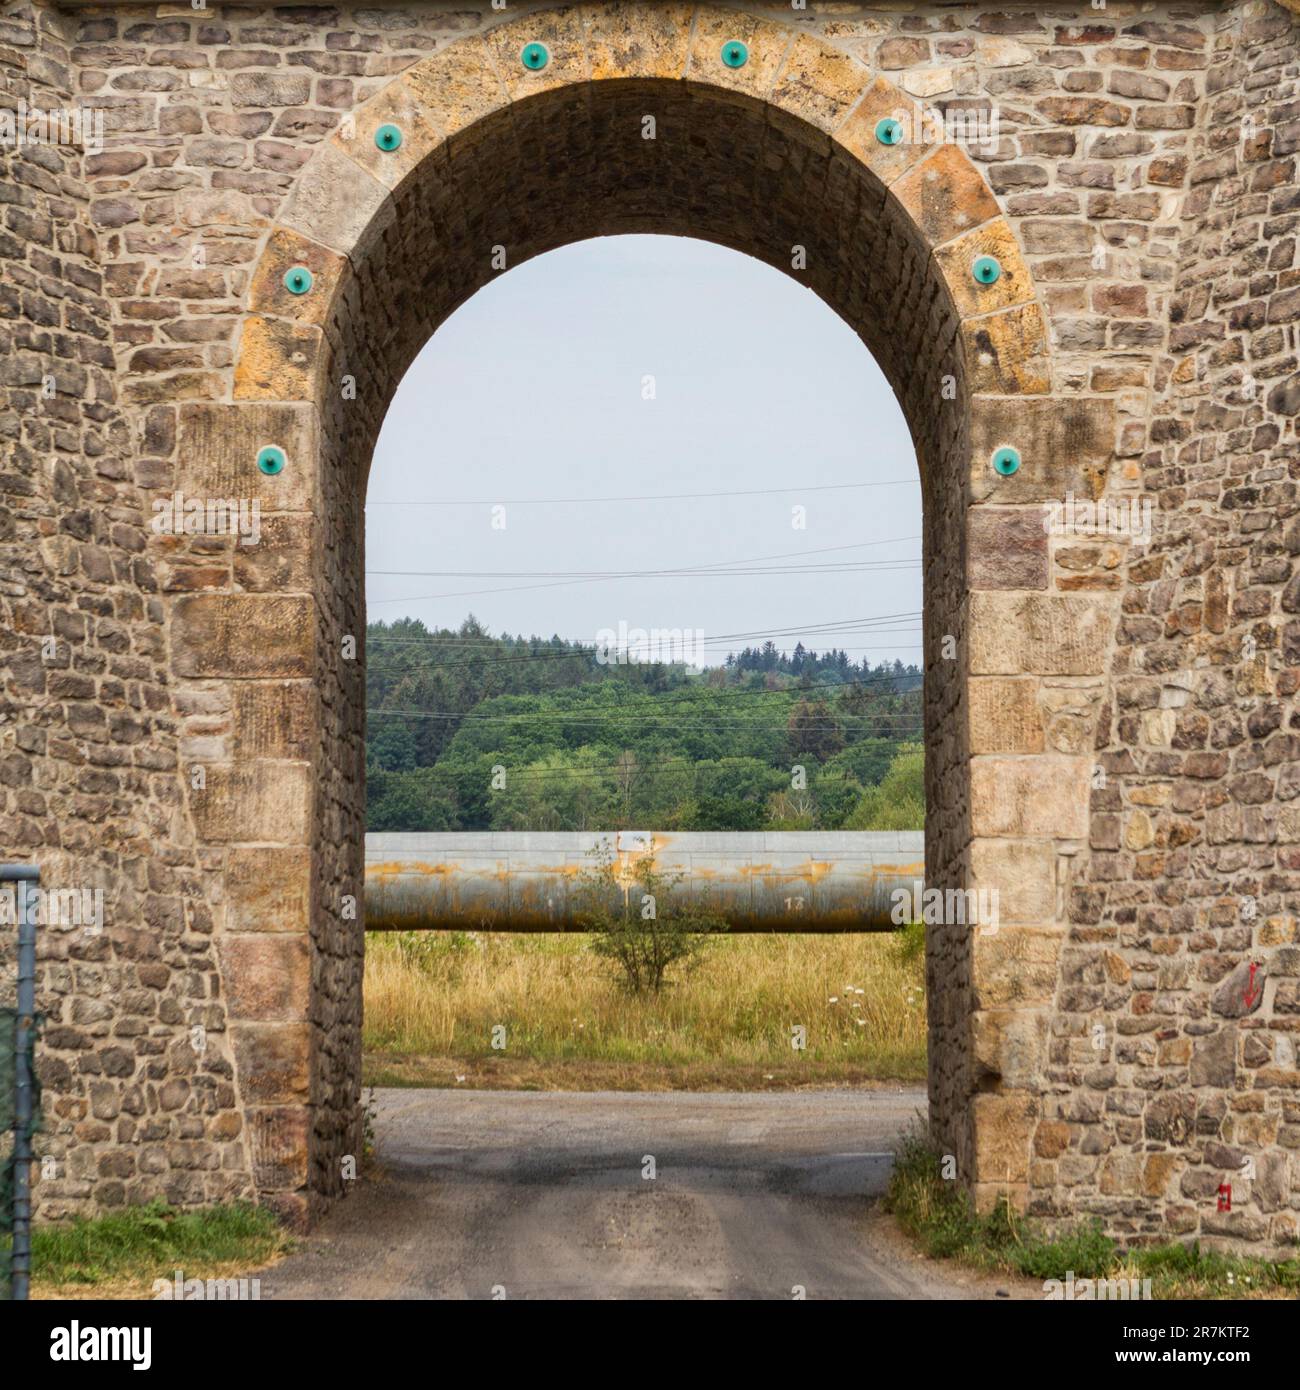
[{"x": 482, "y": 1194}]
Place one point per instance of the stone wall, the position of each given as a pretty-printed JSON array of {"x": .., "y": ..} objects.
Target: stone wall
[
  {"x": 1184, "y": 926},
  {"x": 139, "y": 1092},
  {"x": 1105, "y": 747}
]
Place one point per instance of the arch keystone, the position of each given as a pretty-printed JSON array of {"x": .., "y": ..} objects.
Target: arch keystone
[{"x": 627, "y": 39}]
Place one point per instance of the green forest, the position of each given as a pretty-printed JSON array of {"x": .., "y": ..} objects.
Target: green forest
[{"x": 467, "y": 731}]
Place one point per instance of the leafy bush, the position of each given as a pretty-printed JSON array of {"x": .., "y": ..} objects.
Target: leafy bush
[{"x": 635, "y": 921}]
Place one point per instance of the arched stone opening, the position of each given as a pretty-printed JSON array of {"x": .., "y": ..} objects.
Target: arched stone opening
[{"x": 780, "y": 158}]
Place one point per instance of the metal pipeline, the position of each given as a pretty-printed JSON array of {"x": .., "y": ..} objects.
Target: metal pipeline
[{"x": 778, "y": 881}]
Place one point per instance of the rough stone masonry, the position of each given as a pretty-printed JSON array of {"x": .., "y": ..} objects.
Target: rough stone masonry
[{"x": 1112, "y": 731}]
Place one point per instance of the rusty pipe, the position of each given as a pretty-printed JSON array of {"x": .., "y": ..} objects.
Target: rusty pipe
[{"x": 764, "y": 881}]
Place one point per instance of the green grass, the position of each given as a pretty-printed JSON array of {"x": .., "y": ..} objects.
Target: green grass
[
  {"x": 433, "y": 999},
  {"x": 939, "y": 1216},
  {"x": 140, "y": 1244}
]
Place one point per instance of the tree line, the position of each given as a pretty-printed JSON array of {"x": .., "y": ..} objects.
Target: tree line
[{"x": 467, "y": 731}]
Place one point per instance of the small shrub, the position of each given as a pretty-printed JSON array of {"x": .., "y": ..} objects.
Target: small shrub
[
  {"x": 638, "y": 924},
  {"x": 909, "y": 943}
]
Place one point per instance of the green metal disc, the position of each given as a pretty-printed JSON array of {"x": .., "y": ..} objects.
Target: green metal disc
[
  {"x": 1006, "y": 460},
  {"x": 271, "y": 460},
  {"x": 889, "y": 131},
  {"x": 297, "y": 279},
  {"x": 388, "y": 137}
]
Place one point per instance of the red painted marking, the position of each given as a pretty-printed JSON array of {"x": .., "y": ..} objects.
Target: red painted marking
[{"x": 1252, "y": 994}]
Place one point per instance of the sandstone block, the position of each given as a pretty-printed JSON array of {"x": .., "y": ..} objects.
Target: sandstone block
[
  {"x": 268, "y": 976},
  {"x": 245, "y": 636},
  {"x": 268, "y": 888},
  {"x": 1004, "y": 715},
  {"x": 1039, "y": 796},
  {"x": 338, "y": 203},
  {"x": 1039, "y": 634},
  {"x": 218, "y": 448},
  {"x": 272, "y": 1062},
  {"x": 254, "y": 803},
  {"x": 1065, "y": 448}
]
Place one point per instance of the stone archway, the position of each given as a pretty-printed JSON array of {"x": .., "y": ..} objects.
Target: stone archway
[{"x": 495, "y": 159}]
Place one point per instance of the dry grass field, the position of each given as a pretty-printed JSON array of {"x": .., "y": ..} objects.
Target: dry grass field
[{"x": 432, "y": 1001}]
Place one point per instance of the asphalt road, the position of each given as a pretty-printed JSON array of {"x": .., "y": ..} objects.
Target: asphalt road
[{"x": 545, "y": 1195}]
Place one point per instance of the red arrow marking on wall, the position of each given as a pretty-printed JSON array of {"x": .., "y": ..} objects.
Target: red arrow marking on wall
[{"x": 1251, "y": 993}]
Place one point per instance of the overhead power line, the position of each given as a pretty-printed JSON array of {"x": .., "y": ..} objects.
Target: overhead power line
[
  {"x": 652, "y": 496},
  {"x": 719, "y": 567}
]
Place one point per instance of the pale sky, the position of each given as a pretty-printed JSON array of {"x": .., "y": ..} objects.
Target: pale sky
[{"x": 536, "y": 389}]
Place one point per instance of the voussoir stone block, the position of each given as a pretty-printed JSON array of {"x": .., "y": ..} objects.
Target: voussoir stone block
[
  {"x": 956, "y": 261},
  {"x": 1014, "y": 634},
  {"x": 768, "y": 45},
  {"x": 402, "y": 104},
  {"x": 857, "y": 134},
  {"x": 945, "y": 195},
  {"x": 243, "y": 635},
  {"x": 285, "y": 249},
  {"x": 819, "y": 84},
  {"x": 1006, "y": 353},
  {"x": 279, "y": 360},
  {"x": 338, "y": 203},
  {"x": 626, "y": 40},
  {"x": 564, "y": 33}
]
